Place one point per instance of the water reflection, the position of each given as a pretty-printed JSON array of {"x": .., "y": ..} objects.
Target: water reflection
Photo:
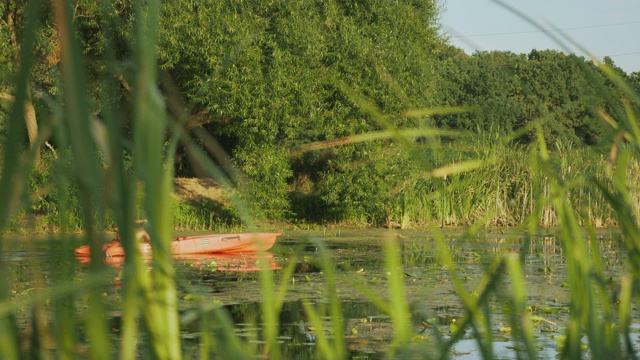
[
  {"x": 239, "y": 262},
  {"x": 429, "y": 289},
  {"x": 233, "y": 262},
  {"x": 359, "y": 262},
  {"x": 298, "y": 336}
]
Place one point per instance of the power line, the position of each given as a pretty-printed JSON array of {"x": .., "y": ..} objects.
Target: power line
[
  {"x": 546, "y": 31},
  {"x": 625, "y": 54}
]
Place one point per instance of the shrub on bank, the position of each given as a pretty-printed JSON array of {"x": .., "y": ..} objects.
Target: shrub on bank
[{"x": 391, "y": 190}]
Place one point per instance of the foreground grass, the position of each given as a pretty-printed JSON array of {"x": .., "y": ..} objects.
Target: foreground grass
[{"x": 477, "y": 187}]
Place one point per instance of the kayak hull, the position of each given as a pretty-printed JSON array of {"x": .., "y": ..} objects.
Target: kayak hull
[
  {"x": 200, "y": 244},
  {"x": 222, "y": 243}
]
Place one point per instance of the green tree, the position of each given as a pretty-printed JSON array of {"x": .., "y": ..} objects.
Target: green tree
[
  {"x": 271, "y": 76},
  {"x": 12, "y": 14},
  {"x": 44, "y": 81},
  {"x": 508, "y": 91}
]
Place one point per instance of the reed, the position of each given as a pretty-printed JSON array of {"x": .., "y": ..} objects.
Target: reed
[
  {"x": 504, "y": 190},
  {"x": 489, "y": 183},
  {"x": 332, "y": 346},
  {"x": 152, "y": 294}
]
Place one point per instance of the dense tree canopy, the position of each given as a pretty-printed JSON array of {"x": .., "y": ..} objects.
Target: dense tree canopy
[
  {"x": 271, "y": 75},
  {"x": 90, "y": 17},
  {"x": 509, "y": 91}
]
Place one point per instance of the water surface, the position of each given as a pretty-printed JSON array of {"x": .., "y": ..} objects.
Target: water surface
[{"x": 358, "y": 259}]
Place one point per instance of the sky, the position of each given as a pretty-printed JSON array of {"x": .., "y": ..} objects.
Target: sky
[{"x": 603, "y": 27}]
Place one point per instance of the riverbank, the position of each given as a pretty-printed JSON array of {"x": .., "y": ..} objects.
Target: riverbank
[{"x": 497, "y": 196}]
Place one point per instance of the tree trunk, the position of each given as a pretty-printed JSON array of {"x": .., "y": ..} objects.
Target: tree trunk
[
  {"x": 32, "y": 126},
  {"x": 29, "y": 119},
  {"x": 29, "y": 110}
]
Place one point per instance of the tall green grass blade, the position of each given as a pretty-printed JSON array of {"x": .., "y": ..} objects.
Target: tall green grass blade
[
  {"x": 272, "y": 301},
  {"x": 324, "y": 350},
  {"x": 337, "y": 349},
  {"x": 87, "y": 171},
  {"x": 161, "y": 314},
  {"x": 454, "y": 169},
  {"x": 218, "y": 338},
  {"x": 625, "y": 311},
  {"x": 478, "y": 319},
  {"x": 123, "y": 207},
  {"x": 270, "y": 309},
  {"x": 585, "y": 314},
  {"x": 206, "y": 338},
  {"x": 378, "y": 135},
  {"x": 520, "y": 317},
  {"x": 64, "y": 313},
  {"x": 604, "y": 294},
  {"x": 13, "y": 175},
  {"x": 398, "y": 306},
  {"x": 437, "y": 111}
]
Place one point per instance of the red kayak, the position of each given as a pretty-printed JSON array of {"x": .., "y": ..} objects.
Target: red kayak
[{"x": 199, "y": 244}]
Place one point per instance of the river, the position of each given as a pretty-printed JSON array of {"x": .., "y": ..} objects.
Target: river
[{"x": 361, "y": 282}]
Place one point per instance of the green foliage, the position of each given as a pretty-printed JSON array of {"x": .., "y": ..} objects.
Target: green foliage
[
  {"x": 269, "y": 74},
  {"x": 511, "y": 91},
  {"x": 45, "y": 202},
  {"x": 303, "y": 72},
  {"x": 400, "y": 190},
  {"x": 275, "y": 76},
  {"x": 360, "y": 183},
  {"x": 265, "y": 187},
  {"x": 41, "y": 180},
  {"x": 205, "y": 215}
]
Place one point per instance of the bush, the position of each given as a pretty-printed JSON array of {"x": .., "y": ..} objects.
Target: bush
[{"x": 265, "y": 186}]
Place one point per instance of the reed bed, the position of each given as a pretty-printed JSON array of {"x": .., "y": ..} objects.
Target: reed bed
[
  {"x": 506, "y": 189},
  {"x": 493, "y": 183}
]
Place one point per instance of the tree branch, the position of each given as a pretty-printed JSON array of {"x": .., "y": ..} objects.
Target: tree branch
[
  {"x": 6, "y": 96},
  {"x": 124, "y": 83}
]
